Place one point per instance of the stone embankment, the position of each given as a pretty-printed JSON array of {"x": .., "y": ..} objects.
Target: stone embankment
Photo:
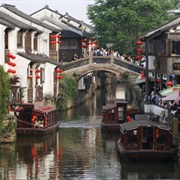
[{"x": 8, "y": 131}]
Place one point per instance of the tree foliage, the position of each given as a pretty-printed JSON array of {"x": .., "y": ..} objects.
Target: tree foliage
[
  {"x": 68, "y": 90},
  {"x": 4, "y": 93},
  {"x": 121, "y": 22}
]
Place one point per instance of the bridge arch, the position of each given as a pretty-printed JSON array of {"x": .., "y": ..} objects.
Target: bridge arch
[{"x": 122, "y": 68}]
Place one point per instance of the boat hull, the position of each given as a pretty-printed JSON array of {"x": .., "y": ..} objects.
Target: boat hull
[
  {"x": 147, "y": 154},
  {"x": 36, "y": 131}
]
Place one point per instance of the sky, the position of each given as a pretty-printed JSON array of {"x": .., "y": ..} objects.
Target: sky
[{"x": 75, "y": 8}]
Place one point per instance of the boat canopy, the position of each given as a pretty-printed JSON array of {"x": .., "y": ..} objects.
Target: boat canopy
[{"x": 135, "y": 124}]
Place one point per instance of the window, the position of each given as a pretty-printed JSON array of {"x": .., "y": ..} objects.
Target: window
[
  {"x": 28, "y": 42},
  {"x": 20, "y": 39},
  {"x": 36, "y": 42},
  {"x": 42, "y": 75},
  {"x": 160, "y": 47},
  {"x": 6, "y": 40},
  {"x": 121, "y": 113},
  {"x": 176, "y": 47}
]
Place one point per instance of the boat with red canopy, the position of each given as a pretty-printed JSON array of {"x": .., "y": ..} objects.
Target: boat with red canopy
[
  {"x": 34, "y": 121},
  {"x": 144, "y": 140},
  {"x": 116, "y": 113}
]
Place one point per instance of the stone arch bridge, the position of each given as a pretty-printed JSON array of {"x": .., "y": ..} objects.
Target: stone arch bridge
[{"x": 122, "y": 68}]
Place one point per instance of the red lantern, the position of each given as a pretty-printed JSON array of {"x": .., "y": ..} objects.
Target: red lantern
[
  {"x": 38, "y": 70},
  {"x": 169, "y": 83},
  {"x": 83, "y": 40},
  {"x": 13, "y": 64},
  {"x": 59, "y": 42},
  {"x": 142, "y": 75},
  {"x": 60, "y": 70},
  {"x": 37, "y": 77},
  {"x": 13, "y": 71},
  {"x": 139, "y": 57},
  {"x": 13, "y": 57},
  {"x": 9, "y": 71},
  {"x": 83, "y": 46},
  {"x": 139, "y": 50},
  {"x": 53, "y": 42},
  {"x": 158, "y": 80},
  {"x": 59, "y": 36},
  {"x": 10, "y": 56},
  {"x": 52, "y": 36},
  {"x": 139, "y": 43},
  {"x": 9, "y": 63},
  {"x": 59, "y": 77}
]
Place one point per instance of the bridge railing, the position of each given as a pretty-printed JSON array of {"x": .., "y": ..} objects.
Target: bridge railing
[
  {"x": 128, "y": 65},
  {"x": 102, "y": 60}
]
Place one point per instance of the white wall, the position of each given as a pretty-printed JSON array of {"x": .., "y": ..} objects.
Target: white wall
[
  {"x": 21, "y": 72},
  {"x": 48, "y": 86},
  {"x": 2, "y": 28}
]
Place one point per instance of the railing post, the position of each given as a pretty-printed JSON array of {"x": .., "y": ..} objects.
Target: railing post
[{"x": 90, "y": 57}]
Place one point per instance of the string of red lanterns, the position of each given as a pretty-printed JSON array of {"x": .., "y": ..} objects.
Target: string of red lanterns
[
  {"x": 139, "y": 50},
  {"x": 53, "y": 39},
  {"x": 10, "y": 63},
  {"x": 58, "y": 73},
  {"x": 37, "y": 71},
  {"x": 84, "y": 43}
]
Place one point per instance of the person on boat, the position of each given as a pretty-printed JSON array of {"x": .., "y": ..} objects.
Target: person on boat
[
  {"x": 129, "y": 119},
  {"x": 35, "y": 121}
]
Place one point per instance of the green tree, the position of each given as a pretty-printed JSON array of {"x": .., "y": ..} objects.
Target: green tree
[
  {"x": 68, "y": 91},
  {"x": 4, "y": 93},
  {"x": 121, "y": 22}
]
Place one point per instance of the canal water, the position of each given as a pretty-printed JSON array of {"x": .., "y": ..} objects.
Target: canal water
[{"x": 79, "y": 150}]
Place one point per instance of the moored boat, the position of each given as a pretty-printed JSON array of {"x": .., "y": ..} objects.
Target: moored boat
[
  {"x": 117, "y": 113},
  {"x": 35, "y": 121},
  {"x": 146, "y": 141}
]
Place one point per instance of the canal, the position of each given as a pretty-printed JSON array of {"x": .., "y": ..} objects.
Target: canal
[{"x": 78, "y": 150}]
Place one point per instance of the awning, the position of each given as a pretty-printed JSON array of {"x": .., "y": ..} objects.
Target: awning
[{"x": 169, "y": 90}]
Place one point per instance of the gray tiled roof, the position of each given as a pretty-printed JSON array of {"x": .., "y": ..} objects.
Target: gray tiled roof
[
  {"x": 7, "y": 24},
  {"x": 25, "y": 16},
  {"x": 162, "y": 28},
  {"x": 38, "y": 58},
  {"x": 16, "y": 23},
  {"x": 69, "y": 33},
  {"x": 65, "y": 25}
]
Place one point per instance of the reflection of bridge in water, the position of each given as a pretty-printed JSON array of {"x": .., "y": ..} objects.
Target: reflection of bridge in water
[{"x": 122, "y": 68}]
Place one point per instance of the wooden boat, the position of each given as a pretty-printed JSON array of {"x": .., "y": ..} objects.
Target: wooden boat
[
  {"x": 35, "y": 121},
  {"x": 146, "y": 141},
  {"x": 117, "y": 113}
]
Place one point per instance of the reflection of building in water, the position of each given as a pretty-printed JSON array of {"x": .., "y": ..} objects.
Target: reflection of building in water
[{"x": 35, "y": 153}]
